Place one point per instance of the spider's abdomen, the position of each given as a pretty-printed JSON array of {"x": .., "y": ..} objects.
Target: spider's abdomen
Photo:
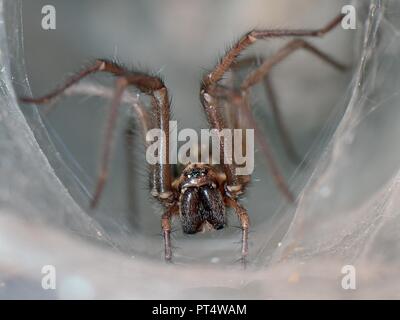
[{"x": 200, "y": 207}]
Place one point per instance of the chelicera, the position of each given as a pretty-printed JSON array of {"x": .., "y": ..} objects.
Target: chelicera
[{"x": 200, "y": 195}]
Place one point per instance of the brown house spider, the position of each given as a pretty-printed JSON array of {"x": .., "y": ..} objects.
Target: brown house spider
[{"x": 202, "y": 191}]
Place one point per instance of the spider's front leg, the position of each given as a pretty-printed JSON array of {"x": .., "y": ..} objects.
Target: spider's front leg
[
  {"x": 235, "y": 184},
  {"x": 166, "y": 230},
  {"x": 160, "y": 173},
  {"x": 209, "y": 99},
  {"x": 244, "y": 224}
]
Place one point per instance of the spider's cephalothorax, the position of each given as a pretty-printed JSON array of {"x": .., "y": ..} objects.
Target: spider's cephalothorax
[
  {"x": 199, "y": 196},
  {"x": 201, "y": 202}
]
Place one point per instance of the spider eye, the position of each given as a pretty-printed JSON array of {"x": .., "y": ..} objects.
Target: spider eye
[{"x": 188, "y": 175}]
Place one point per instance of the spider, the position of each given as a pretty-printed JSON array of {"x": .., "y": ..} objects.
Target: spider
[{"x": 202, "y": 192}]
